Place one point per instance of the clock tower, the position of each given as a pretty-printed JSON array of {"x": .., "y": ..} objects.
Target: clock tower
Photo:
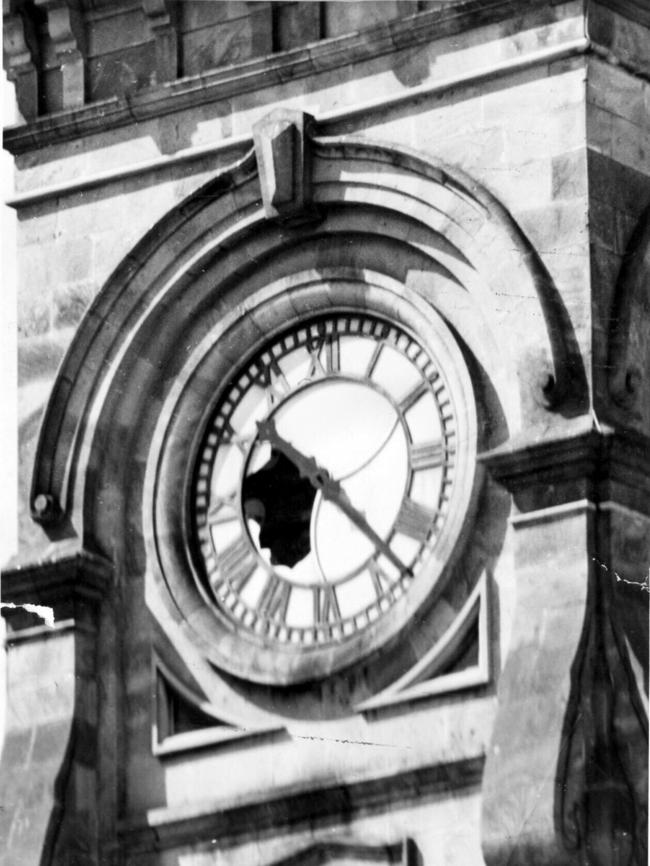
[{"x": 335, "y": 446}]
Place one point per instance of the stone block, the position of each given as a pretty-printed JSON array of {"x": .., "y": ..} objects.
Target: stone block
[
  {"x": 71, "y": 302},
  {"x": 624, "y": 37},
  {"x": 52, "y": 89},
  {"x": 197, "y": 14},
  {"x": 296, "y": 24},
  {"x": 34, "y": 317},
  {"x": 557, "y": 226},
  {"x": 630, "y": 144},
  {"x": 114, "y": 32},
  {"x": 51, "y": 739},
  {"x": 617, "y": 91},
  {"x": 16, "y": 749},
  {"x": 233, "y": 40},
  {"x": 599, "y": 129},
  {"x": 342, "y": 17},
  {"x": 602, "y": 224},
  {"x": 39, "y": 357},
  {"x": 605, "y": 265},
  {"x": 563, "y": 130},
  {"x": 569, "y": 175},
  {"x": 623, "y": 187}
]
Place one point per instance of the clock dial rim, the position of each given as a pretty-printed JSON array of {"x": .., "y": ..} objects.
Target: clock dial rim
[{"x": 270, "y": 311}]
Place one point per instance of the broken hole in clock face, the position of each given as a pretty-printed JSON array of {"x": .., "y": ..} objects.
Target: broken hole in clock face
[
  {"x": 354, "y": 434},
  {"x": 281, "y": 503}
]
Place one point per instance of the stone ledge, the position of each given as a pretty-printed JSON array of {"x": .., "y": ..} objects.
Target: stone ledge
[
  {"x": 165, "y": 828},
  {"x": 274, "y": 69},
  {"x": 582, "y": 460},
  {"x": 60, "y": 583}
]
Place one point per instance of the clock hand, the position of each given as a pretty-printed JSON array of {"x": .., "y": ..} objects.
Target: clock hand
[{"x": 331, "y": 489}]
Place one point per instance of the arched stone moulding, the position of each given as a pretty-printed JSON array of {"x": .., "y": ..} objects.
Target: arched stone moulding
[
  {"x": 269, "y": 308},
  {"x": 466, "y": 256}
]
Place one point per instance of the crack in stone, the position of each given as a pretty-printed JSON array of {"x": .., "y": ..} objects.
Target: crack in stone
[{"x": 642, "y": 584}]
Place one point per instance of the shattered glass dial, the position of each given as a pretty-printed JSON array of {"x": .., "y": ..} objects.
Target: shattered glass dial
[{"x": 323, "y": 479}]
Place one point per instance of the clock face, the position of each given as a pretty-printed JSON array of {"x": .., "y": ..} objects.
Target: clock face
[{"x": 323, "y": 480}]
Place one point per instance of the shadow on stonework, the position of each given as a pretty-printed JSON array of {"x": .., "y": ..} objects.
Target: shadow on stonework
[{"x": 602, "y": 774}]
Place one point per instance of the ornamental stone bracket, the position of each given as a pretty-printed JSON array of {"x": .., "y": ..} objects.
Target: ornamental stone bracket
[
  {"x": 565, "y": 779},
  {"x": 21, "y": 57},
  {"x": 49, "y": 766},
  {"x": 66, "y": 30}
]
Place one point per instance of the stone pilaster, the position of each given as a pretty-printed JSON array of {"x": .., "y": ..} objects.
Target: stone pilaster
[
  {"x": 65, "y": 28},
  {"x": 564, "y": 781},
  {"x": 49, "y": 767}
]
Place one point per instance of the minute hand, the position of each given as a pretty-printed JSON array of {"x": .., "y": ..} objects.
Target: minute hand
[{"x": 330, "y": 488}]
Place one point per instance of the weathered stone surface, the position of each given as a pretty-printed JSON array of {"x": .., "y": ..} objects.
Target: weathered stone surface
[
  {"x": 508, "y": 93},
  {"x": 122, "y": 73},
  {"x": 296, "y": 24}
]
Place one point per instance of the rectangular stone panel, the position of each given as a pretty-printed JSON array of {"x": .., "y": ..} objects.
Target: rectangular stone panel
[
  {"x": 122, "y": 72},
  {"x": 234, "y": 40},
  {"x": 110, "y": 33},
  {"x": 296, "y": 24},
  {"x": 197, "y": 14},
  {"x": 627, "y": 39}
]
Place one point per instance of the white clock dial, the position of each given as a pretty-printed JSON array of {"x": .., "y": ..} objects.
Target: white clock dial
[{"x": 324, "y": 478}]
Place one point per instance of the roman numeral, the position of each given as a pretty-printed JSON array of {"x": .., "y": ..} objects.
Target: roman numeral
[
  {"x": 380, "y": 580},
  {"x": 274, "y": 382},
  {"x": 372, "y": 363},
  {"x": 237, "y": 562},
  {"x": 413, "y": 396},
  {"x": 275, "y": 599},
  {"x": 326, "y": 605},
  {"x": 218, "y": 503},
  {"x": 414, "y": 520},
  {"x": 326, "y": 345},
  {"x": 426, "y": 455},
  {"x": 332, "y": 354}
]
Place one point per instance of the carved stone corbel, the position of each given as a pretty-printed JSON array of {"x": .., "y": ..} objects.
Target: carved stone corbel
[
  {"x": 161, "y": 19},
  {"x": 21, "y": 57},
  {"x": 66, "y": 30}
]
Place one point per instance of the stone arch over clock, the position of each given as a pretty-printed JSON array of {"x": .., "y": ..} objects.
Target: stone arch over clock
[{"x": 304, "y": 360}]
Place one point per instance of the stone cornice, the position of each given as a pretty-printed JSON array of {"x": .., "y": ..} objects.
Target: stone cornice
[
  {"x": 239, "y": 144},
  {"x": 165, "y": 828},
  {"x": 261, "y": 73},
  {"x": 58, "y": 583},
  {"x": 584, "y": 459}
]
